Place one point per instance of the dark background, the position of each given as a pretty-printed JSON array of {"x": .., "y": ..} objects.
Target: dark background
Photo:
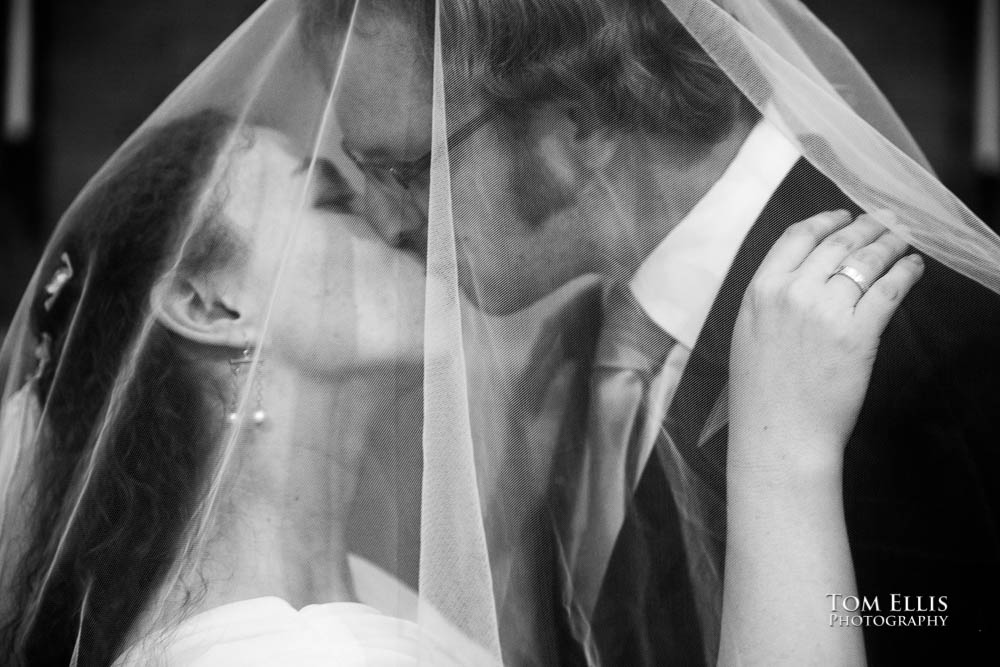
[{"x": 103, "y": 65}]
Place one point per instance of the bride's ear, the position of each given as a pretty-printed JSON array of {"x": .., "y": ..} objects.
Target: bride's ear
[{"x": 202, "y": 311}]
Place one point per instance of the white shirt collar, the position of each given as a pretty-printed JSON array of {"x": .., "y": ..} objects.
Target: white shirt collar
[{"x": 677, "y": 284}]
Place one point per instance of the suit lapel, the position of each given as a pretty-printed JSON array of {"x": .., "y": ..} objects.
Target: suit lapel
[
  {"x": 718, "y": 418},
  {"x": 699, "y": 410}
]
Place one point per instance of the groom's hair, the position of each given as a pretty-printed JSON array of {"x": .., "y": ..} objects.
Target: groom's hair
[{"x": 629, "y": 62}]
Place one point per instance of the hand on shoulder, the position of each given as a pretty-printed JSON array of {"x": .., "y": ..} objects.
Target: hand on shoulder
[{"x": 806, "y": 338}]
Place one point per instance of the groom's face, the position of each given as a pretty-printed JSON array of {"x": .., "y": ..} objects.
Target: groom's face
[{"x": 518, "y": 231}]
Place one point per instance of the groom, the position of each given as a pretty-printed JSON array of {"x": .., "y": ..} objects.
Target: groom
[{"x": 605, "y": 141}]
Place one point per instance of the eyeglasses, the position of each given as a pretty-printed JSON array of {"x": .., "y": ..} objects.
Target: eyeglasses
[{"x": 404, "y": 173}]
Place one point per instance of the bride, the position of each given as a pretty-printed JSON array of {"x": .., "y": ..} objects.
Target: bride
[{"x": 298, "y": 428}]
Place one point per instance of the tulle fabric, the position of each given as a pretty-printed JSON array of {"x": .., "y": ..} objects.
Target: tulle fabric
[{"x": 463, "y": 473}]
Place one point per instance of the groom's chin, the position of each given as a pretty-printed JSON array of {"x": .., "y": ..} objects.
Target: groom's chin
[
  {"x": 499, "y": 307},
  {"x": 501, "y": 300},
  {"x": 500, "y": 289}
]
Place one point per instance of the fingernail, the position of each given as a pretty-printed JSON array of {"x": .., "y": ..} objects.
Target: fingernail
[
  {"x": 916, "y": 259},
  {"x": 841, "y": 214}
]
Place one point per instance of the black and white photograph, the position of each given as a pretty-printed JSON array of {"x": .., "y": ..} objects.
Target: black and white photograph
[{"x": 584, "y": 333}]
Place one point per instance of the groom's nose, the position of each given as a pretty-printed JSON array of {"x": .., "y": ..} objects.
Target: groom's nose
[{"x": 398, "y": 217}]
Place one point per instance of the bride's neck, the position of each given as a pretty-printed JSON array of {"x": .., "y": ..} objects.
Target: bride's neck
[{"x": 281, "y": 530}]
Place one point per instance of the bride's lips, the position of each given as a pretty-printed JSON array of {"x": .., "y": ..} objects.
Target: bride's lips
[{"x": 414, "y": 241}]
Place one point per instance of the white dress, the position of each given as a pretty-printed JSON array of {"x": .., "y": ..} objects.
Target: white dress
[{"x": 269, "y": 631}]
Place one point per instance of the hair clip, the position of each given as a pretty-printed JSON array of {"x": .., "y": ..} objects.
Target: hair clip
[{"x": 59, "y": 279}]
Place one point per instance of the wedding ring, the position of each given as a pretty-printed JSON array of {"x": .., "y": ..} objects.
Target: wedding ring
[{"x": 853, "y": 275}]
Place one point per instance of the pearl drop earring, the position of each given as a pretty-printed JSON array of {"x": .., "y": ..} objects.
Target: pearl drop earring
[{"x": 236, "y": 365}]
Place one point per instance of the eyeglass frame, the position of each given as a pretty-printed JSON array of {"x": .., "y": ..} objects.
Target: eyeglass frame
[{"x": 404, "y": 172}]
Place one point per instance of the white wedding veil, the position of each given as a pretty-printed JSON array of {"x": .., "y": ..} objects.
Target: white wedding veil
[{"x": 333, "y": 308}]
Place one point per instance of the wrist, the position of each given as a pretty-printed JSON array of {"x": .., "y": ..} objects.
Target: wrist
[
  {"x": 779, "y": 501},
  {"x": 794, "y": 461}
]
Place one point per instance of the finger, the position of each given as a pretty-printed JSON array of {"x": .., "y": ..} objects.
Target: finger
[
  {"x": 800, "y": 239},
  {"x": 831, "y": 252},
  {"x": 878, "y": 305},
  {"x": 868, "y": 264}
]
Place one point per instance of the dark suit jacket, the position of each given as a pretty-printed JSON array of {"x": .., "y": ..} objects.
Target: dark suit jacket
[{"x": 920, "y": 466}]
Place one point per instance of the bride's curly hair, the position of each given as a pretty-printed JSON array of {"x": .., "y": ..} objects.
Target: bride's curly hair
[{"x": 155, "y": 438}]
